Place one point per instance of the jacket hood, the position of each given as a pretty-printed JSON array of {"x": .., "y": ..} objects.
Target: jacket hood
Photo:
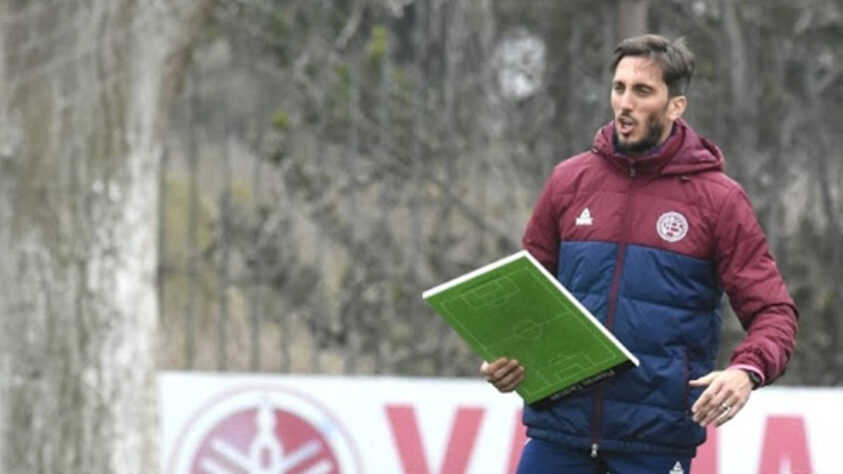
[{"x": 684, "y": 152}]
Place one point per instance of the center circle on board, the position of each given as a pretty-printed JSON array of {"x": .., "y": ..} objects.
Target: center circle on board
[{"x": 528, "y": 329}]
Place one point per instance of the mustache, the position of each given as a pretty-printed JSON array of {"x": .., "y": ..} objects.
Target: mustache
[{"x": 627, "y": 117}]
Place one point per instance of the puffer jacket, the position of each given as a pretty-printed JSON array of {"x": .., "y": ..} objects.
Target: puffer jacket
[{"x": 649, "y": 245}]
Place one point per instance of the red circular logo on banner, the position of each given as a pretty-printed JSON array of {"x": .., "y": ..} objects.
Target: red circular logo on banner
[{"x": 256, "y": 431}]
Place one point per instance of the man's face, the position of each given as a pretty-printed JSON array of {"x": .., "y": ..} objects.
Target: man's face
[{"x": 644, "y": 114}]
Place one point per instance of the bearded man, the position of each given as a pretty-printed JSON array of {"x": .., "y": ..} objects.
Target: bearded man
[{"x": 666, "y": 233}]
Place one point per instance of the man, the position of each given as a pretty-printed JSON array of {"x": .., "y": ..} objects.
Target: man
[{"x": 647, "y": 231}]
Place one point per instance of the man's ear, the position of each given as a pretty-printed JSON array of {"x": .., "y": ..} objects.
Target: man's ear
[{"x": 676, "y": 107}]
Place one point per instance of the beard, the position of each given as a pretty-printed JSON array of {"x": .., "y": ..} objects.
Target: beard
[{"x": 650, "y": 140}]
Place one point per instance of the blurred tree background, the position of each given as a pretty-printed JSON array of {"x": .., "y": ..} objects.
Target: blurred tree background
[
  {"x": 317, "y": 164},
  {"x": 332, "y": 160},
  {"x": 86, "y": 88}
]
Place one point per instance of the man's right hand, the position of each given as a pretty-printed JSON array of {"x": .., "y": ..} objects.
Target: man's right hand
[{"x": 504, "y": 374}]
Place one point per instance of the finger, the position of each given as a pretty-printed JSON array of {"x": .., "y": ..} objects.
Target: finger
[
  {"x": 496, "y": 370},
  {"x": 701, "y": 382},
  {"x": 704, "y": 403},
  {"x": 510, "y": 382},
  {"x": 709, "y": 401},
  {"x": 704, "y": 380},
  {"x": 736, "y": 404},
  {"x": 718, "y": 413},
  {"x": 722, "y": 404},
  {"x": 508, "y": 377},
  {"x": 713, "y": 410},
  {"x": 728, "y": 415},
  {"x": 727, "y": 412},
  {"x": 729, "y": 409},
  {"x": 504, "y": 371},
  {"x": 489, "y": 368}
]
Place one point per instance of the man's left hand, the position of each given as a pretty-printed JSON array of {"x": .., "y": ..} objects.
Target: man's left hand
[{"x": 727, "y": 393}]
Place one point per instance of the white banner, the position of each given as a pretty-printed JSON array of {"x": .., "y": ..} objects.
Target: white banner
[{"x": 255, "y": 424}]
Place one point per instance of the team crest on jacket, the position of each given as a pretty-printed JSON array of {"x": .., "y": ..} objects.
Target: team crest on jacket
[{"x": 672, "y": 226}]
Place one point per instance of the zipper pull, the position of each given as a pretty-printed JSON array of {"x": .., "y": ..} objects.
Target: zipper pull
[
  {"x": 594, "y": 450},
  {"x": 632, "y": 171}
]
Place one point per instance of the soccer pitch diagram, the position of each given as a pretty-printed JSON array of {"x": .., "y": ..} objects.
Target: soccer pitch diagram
[{"x": 514, "y": 310}]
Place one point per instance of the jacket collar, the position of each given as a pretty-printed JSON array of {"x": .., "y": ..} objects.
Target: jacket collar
[{"x": 683, "y": 153}]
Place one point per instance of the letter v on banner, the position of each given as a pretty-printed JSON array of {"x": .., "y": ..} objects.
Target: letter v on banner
[{"x": 461, "y": 441}]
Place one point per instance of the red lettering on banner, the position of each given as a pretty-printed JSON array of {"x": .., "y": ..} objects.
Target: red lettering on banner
[
  {"x": 405, "y": 431},
  {"x": 706, "y": 459},
  {"x": 519, "y": 437},
  {"x": 785, "y": 442}
]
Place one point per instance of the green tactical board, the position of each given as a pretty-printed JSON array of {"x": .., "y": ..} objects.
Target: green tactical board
[{"x": 514, "y": 308}]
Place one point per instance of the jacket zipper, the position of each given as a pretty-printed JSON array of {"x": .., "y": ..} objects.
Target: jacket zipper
[
  {"x": 597, "y": 420},
  {"x": 687, "y": 395}
]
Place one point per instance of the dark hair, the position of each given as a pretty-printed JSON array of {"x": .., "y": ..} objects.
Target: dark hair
[{"x": 674, "y": 59}]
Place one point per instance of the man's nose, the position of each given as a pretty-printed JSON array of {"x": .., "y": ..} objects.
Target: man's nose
[{"x": 625, "y": 101}]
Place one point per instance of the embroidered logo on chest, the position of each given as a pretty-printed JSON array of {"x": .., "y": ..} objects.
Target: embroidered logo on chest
[
  {"x": 672, "y": 226},
  {"x": 585, "y": 218}
]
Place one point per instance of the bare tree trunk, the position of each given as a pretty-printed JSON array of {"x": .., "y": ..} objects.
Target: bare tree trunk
[
  {"x": 835, "y": 253},
  {"x": 82, "y": 112},
  {"x": 632, "y": 18},
  {"x": 741, "y": 117}
]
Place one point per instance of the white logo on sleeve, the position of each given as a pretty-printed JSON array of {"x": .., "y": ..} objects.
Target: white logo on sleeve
[
  {"x": 677, "y": 469},
  {"x": 672, "y": 226},
  {"x": 585, "y": 218}
]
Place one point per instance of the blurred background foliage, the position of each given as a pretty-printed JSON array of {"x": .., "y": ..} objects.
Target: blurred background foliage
[{"x": 328, "y": 161}]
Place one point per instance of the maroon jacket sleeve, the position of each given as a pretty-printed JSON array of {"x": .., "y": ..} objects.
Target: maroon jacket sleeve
[
  {"x": 541, "y": 237},
  {"x": 756, "y": 289}
]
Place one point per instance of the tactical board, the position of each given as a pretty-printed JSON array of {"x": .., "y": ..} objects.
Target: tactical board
[{"x": 514, "y": 308}]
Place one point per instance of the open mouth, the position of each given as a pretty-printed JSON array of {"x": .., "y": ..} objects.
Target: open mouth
[{"x": 624, "y": 125}]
